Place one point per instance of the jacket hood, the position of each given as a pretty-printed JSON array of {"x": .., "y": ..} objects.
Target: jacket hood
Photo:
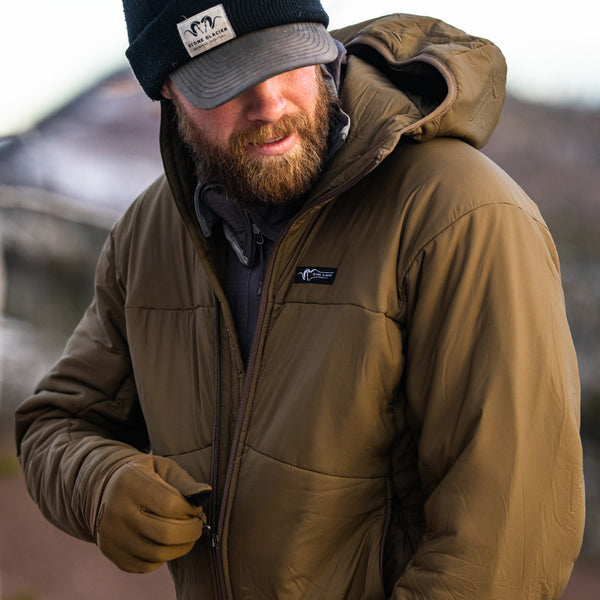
[
  {"x": 406, "y": 77},
  {"x": 428, "y": 77},
  {"x": 412, "y": 78}
]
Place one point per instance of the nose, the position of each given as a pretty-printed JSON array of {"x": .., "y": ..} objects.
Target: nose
[{"x": 266, "y": 101}]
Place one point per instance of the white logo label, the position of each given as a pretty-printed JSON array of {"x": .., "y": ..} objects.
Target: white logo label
[
  {"x": 315, "y": 275},
  {"x": 206, "y": 30}
]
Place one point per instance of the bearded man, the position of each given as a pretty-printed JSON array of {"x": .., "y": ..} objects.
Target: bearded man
[{"x": 327, "y": 355}]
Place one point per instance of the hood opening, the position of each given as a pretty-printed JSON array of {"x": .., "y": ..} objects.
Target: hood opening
[{"x": 420, "y": 81}]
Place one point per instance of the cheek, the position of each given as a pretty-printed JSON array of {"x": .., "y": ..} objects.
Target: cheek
[
  {"x": 217, "y": 130},
  {"x": 306, "y": 86}
]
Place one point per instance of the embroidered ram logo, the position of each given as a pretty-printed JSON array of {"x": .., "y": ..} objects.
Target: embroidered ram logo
[{"x": 205, "y": 25}]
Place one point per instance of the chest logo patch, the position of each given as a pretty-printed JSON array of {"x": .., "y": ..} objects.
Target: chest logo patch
[{"x": 319, "y": 275}]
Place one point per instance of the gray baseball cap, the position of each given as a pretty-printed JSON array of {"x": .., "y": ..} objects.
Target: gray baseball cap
[{"x": 234, "y": 65}]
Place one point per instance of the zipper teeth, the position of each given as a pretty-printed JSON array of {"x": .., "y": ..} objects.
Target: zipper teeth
[
  {"x": 386, "y": 527},
  {"x": 253, "y": 356},
  {"x": 212, "y": 529},
  {"x": 217, "y": 436}
]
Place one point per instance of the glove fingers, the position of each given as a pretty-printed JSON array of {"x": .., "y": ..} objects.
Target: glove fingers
[
  {"x": 131, "y": 562},
  {"x": 163, "y": 554},
  {"x": 130, "y": 552},
  {"x": 146, "y": 544},
  {"x": 169, "y": 532}
]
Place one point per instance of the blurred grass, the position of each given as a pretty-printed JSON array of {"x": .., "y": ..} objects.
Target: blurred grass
[
  {"x": 24, "y": 595},
  {"x": 9, "y": 465}
]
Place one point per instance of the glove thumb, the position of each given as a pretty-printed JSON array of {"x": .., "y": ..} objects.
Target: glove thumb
[{"x": 176, "y": 476}]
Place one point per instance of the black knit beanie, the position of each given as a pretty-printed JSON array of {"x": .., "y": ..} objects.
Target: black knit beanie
[{"x": 156, "y": 43}]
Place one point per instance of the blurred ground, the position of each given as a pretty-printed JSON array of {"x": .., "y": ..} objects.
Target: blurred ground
[{"x": 62, "y": 185}]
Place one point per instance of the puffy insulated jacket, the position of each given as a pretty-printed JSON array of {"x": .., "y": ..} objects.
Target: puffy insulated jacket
[{"x": 407, "y": 424}]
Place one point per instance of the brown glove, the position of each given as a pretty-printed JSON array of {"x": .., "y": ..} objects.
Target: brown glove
[{"x": 144, "y": 519}]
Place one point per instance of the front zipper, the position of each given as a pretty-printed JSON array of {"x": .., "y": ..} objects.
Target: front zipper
[
  {"x": 384, "y": 533},
  {"x": 259, "y": 241},
  {"x": 245, "y": 395},
  {"x": 211, "y": 528}
]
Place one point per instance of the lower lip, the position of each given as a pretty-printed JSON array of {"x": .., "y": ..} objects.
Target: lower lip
[{"x": 276, "y": 148}]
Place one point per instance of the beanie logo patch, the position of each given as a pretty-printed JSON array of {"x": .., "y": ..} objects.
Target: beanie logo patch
[{"x": 206, "y": 30}]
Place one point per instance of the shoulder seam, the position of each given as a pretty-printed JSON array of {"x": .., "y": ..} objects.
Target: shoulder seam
[{"x": 459, "y": 218}]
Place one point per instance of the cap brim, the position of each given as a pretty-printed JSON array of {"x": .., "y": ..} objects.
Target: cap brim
[{"x": 221, "y": 74}]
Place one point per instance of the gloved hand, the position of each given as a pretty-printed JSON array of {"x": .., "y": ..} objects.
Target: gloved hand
[{"x": 144, "y": 519}]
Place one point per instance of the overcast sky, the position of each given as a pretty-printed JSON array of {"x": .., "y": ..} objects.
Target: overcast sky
[{"x": 50, "y": 51}]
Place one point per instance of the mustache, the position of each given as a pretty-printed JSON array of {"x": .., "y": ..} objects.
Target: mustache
[{"x": 256, "y": 136}]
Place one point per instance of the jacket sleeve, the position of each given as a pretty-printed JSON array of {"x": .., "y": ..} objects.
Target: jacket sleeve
[
  {"x": 84, "y": 419},
  {"x": 493, "y": 398}
]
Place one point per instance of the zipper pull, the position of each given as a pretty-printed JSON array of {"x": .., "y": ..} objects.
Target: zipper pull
[
  {"x": 212, "y": 537},
  {"x": 260, "y": 240}
]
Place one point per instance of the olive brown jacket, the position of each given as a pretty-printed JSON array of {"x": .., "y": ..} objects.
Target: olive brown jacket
[{"x": 407, "y": 423}]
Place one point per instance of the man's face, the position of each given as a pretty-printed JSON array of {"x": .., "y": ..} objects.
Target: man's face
[{"x": 267, "y": 145}]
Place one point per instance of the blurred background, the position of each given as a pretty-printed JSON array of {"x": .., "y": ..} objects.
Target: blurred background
[{"x": 78, "y": 142}]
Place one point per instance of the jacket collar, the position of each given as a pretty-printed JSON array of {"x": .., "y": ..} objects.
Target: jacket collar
[{"x": 242, "y": 227}]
